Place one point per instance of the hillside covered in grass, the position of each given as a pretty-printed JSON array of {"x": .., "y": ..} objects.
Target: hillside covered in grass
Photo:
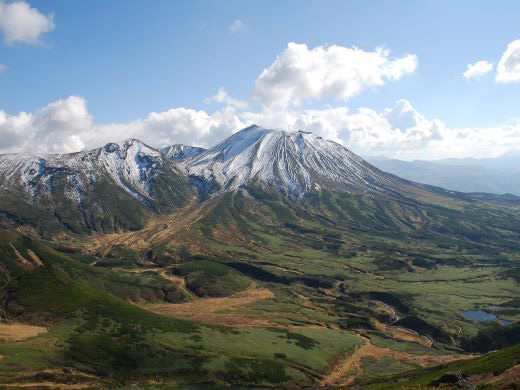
[{"x": 272, "y": 259}]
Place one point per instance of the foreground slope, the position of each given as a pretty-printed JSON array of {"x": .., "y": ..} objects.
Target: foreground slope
[
  {"x": 496, "y": 370},
  {"x": 399, "y": 274},
  {"x": 93, "y": 338}
]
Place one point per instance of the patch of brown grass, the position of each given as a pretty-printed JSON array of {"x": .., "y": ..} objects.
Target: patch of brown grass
[
  {"x": 401, "y": 334},
  {"x": 158, "y": 229},
  {"x": 35, "y": 259},
  {"x": 221, "y": 311},
  {"x": 17, "y": 332}
]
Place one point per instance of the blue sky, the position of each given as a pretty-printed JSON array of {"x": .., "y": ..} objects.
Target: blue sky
[{"x": 128, "y": 58}]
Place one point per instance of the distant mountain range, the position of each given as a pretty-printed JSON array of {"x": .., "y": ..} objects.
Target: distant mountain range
[{"x": 499, "y": 175}]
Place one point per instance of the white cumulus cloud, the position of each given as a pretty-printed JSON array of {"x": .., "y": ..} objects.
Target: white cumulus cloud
[
  {"x": 22, "y": 23},
  {"x": 478, "y": 69},
  {"x": 400, "y": 131},
  {"x": 177, "y": 125},
  {"x": 67, "y": 126},
  {"x": 403, "y": 132},
  {"x": 508, "y": 68},
  {"x": 55, "y": 128},
  {"x": 237, "y": 26},
  {"x": 2, "y": 68},
  {"x": 299, "y": 73},
  {"x": 222, "y": 97}
]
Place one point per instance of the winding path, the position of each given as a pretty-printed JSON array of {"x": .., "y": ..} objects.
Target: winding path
[{"x": 178, "y": 281}]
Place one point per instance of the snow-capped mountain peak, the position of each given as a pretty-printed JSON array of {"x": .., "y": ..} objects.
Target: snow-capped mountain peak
[
  {"x": 292, "y": 162},
  {"x": 179, "y": 152},
  {"x": 131, "y": 164}
]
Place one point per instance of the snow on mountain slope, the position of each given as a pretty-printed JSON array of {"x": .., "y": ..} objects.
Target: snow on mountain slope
[
  {"x": 292, "y": 162},
  {"x": 181, "y": 152},
  {"x": 131, "y": 164}
]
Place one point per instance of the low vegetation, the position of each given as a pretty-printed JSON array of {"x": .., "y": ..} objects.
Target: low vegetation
[
  {"x": 210, "y": 279},
  {"x": 340, "y": 287}
]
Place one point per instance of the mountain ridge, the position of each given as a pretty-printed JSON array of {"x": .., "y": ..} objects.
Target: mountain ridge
[
  {"x": 177, "y": 152},
  {"x": 114, "y": 159},
  {"x": 105, "y": 188},
  {"x": 121, "y": 185},
  {"x": 292, "y": 162}
]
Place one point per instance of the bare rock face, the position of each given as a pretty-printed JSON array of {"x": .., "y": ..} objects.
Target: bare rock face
[{"x": 455, "y": 379}]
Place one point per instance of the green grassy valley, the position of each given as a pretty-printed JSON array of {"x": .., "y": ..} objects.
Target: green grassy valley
[{"x": 254, "y": 289}]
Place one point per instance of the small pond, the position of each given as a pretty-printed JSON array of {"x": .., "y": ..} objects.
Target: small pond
[
  {"x": 483, "y": 316},
  {"x": 478, "y": 315}
]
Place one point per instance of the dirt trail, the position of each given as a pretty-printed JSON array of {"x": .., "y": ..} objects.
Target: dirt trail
[
  {"x": 17, "y": 332},
  {"x": 402, "y": 334},
  {"x": 389, "y": 309},
  {"x": 23, "y": 261},
  {"x": 306, "y": 302},
  {"x": 221, "y": 311},
  {"x": 179, "y": 282},
  {"x": 35, "y": 259},
  {"x": 165, "y": 273},
  {"x": 361, "y": 271}
]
